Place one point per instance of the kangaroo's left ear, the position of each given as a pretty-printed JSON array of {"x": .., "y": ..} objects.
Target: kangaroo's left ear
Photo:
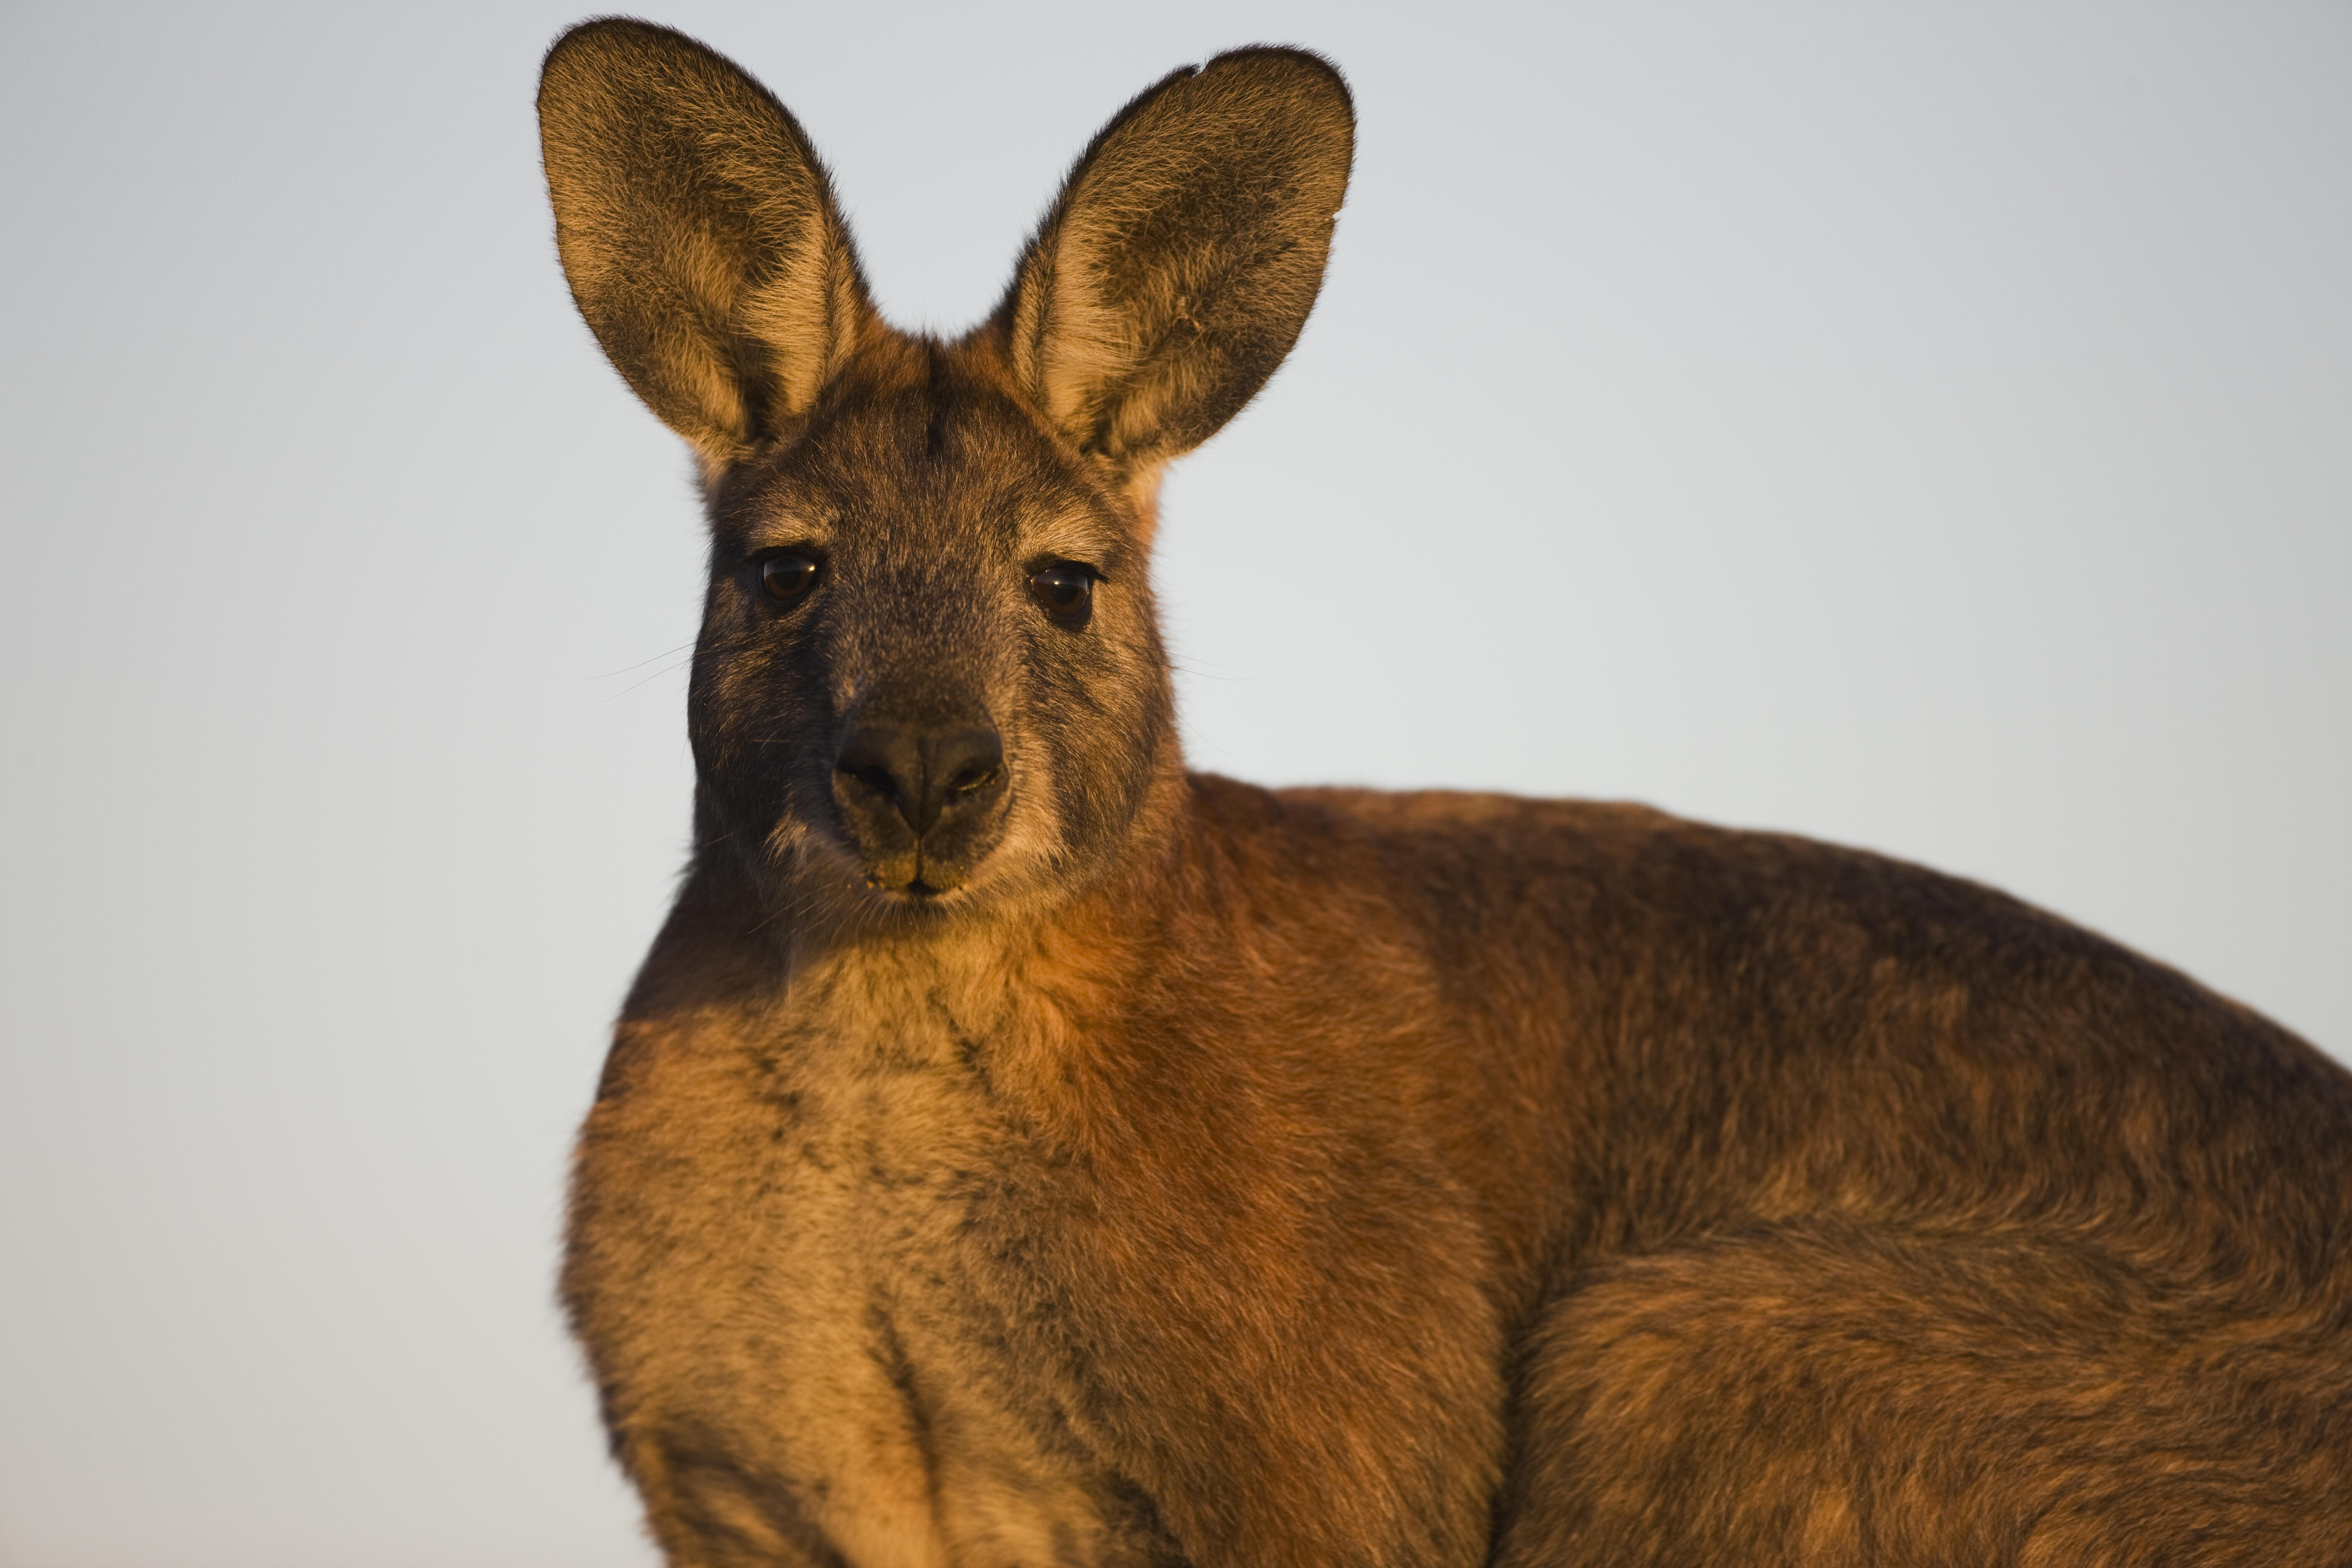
[
  {"x": 1177, "y": 264},
  {"x": 698, "y": 231}
]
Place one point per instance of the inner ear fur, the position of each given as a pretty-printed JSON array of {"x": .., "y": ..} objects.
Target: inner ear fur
[
  {"x": 1179, "y": 261},
  {"x": 698, "y": 231}
]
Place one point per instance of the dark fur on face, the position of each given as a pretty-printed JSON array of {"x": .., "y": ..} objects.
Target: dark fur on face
[
  {"x": 929, "y": 494},
  {"x": 1018, "y": 1150}
]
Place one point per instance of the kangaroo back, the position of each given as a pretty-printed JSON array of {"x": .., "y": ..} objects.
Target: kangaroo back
[{"x": 1017, "y": 1149}]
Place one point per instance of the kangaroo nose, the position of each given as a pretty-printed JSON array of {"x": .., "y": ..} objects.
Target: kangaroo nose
[{"x": 921, "y": 774}]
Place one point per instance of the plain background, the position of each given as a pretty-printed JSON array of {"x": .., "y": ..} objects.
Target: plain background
[{"x": 1929, "y": 427}]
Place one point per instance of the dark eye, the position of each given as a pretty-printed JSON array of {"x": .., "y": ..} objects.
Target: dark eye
[
  {"x": 786, "y": 579},
  {"x": 1067, "y": 592}
]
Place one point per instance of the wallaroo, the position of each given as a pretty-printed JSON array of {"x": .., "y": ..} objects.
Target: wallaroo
[{"x": 1018, "y": 1149}]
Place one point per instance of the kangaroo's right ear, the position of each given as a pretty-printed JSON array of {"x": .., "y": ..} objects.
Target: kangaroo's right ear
[
  {"x": 698, "y": 231},
  {"x": 1178, "y": 263}
]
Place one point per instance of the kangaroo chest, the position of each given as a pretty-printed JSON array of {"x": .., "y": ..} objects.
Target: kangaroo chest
[{"x": 836, "y": 1337}]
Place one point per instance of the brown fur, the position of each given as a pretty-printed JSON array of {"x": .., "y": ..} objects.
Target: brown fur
[{"x": 1152, "y": 1169}]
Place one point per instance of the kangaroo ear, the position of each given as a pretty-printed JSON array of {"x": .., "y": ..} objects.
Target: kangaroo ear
[
  {"x": 1178, "y": 263},
  {"x": 698, "y": 231}
]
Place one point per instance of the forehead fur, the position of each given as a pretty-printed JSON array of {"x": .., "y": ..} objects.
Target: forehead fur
[{"x": 926, "y": 441}]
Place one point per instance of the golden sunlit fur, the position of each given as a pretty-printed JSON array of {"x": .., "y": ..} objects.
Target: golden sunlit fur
[{"x": 1018, "y": 1149}]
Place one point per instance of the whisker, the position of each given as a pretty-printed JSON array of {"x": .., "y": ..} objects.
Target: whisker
[
  {"x": 656, "y": 675},
  {"x": 641, "y": 663}
]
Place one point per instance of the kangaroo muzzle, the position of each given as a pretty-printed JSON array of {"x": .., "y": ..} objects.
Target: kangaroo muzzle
[{"x": 922, "y": 799}]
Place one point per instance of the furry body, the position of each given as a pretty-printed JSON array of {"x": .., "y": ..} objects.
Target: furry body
[
  {"x": 1725, "y": 1189},
  {"x": 1081, "y": 1161}
]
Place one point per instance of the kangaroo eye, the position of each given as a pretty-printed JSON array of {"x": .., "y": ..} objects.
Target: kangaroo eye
[
  {"x": 1067, "y": 592},
  {"x": 786, "y": 579}
]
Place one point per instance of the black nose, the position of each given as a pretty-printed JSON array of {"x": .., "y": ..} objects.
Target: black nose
[{"x": 922, "y": 774}]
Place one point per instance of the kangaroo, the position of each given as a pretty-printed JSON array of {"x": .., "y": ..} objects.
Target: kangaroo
[{"x": 1019, "y": 1149}]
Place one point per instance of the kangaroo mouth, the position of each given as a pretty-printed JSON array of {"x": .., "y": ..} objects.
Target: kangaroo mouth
[
  {"x": 899, "y": 865},
  {"x": 918, "y": 889},
  {"x": 919, "y": 875}
]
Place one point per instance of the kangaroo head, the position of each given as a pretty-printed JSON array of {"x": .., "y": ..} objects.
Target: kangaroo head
[{"x": 930, "y": 676}]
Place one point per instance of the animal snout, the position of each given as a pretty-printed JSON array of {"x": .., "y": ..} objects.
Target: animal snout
[
  {"x": 921, "y": 774},
  {"x": 919, "y": 799}
]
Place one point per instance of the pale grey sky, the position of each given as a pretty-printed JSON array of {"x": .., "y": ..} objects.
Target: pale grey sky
[{"x": 1925, "y": 426}]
